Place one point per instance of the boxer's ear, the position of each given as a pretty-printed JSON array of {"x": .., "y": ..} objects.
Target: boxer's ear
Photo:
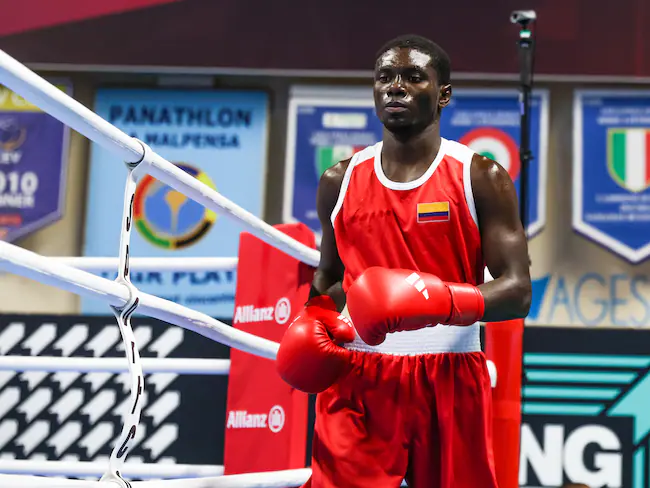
[{"x": 445, "y": 96}]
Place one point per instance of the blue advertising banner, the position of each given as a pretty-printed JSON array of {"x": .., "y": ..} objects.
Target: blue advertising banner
[
  {"x": 611, "y": 200},
  {"x": 488, "y": 121},
  {"x": 33, "y": 163},
  {"x": 325, "y": 126},
  {"x": 219, "y": 137},
  {"x": 328, "y": 125}
]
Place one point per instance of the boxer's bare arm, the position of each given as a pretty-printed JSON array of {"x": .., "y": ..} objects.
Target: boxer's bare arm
[
  {"x": 328, "y": 278},
  {"x": 503, "y": 240}
]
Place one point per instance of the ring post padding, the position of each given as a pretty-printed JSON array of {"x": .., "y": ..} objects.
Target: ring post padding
[
  {"x": 266, "y": 420},
  {"x": 504, "y": 346}
]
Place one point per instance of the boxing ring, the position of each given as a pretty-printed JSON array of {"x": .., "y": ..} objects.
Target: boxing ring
[{"x": 124, "y": 298}]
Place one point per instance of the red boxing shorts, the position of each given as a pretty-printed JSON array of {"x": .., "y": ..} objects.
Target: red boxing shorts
[{"x": 424, "y": 418}]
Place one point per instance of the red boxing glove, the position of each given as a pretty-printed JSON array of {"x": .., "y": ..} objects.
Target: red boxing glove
[
  {"x": 310, "y": 358},
  {"x": 384, "y": 300}
]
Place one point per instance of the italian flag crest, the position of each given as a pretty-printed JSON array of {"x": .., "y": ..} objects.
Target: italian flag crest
[
  {"x": 628, "y": 157},
  {"x": 327, "y": 156}
]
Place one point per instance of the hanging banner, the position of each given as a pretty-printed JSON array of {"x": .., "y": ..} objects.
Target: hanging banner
[
  {"x": 33, "y": 163},
  {"x": 220, "y": 138},
  {"x": 488, "y": 121},
  {"x": 585, "y": 410},
  {"x": 325, "y": 126},
  {"x": 611, "y": 172}
]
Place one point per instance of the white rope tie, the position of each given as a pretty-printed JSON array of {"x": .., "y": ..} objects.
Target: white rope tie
[{"x": 123, "y": 314}]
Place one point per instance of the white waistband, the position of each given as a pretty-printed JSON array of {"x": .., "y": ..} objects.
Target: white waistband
[{"x": 429, "y": 340}]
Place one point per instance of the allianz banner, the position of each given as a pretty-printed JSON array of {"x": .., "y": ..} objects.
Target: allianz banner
[
  {"x": 220, "y": 138},
  {"x": 611, "y": 176},
  {"x": 585, "y": 408}
]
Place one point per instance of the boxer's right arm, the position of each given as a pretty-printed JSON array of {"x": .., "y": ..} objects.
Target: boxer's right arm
[
  {"x": 328, "y": 278},
  {"x": 310, "y": 357}
]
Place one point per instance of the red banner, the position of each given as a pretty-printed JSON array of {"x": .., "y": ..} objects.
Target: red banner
[
  {"x": 266, "y": 420},
  {"x": 36, "y": 14}
]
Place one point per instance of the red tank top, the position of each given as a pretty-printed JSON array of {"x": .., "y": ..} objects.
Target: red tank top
[{"x": 427, "y": 225}]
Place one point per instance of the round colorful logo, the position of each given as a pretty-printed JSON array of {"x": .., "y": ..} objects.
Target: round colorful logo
[
  {"x": 12, "y": 134},
  {"x": 496, "y": 145},
  {"x": 166, "y": 218}
]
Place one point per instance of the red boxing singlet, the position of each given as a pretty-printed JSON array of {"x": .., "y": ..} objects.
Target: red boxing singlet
[{"x": 427, "y": 225}]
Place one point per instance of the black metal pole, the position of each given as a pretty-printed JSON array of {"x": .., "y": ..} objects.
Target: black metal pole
[{"x": 526, "y": 48}]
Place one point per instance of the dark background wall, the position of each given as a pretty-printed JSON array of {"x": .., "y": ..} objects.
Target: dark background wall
[{"x": 576, "y": 37}]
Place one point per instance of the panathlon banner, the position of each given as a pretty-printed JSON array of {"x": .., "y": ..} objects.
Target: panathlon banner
[
  {"x": 33, "y": 163},
  {"x": 220, "y": 138},
  {"x": 325, "y": 126},
  {"x": 488, "y": 121},
  {"x": 611, "y": 172},
  {"x": 585, "y": 408}
]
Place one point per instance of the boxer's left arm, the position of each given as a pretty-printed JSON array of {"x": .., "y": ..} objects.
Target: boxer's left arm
[
  {"x": 328, "y": 278},
  {"x": 504, "y": 243}
]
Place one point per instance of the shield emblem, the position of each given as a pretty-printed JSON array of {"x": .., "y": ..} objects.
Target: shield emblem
[
  {"x": 628, "y": 157},
  {"x": 327, "y": 156}
]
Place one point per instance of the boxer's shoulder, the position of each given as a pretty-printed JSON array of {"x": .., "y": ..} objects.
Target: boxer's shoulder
[
  {"x": 489, "y": 177},
  {"x": 330, "y": 183},
  {"x": 335, "y": 173}
]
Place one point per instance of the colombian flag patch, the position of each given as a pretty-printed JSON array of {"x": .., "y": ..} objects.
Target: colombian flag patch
[{"x": 433, "y": 212}]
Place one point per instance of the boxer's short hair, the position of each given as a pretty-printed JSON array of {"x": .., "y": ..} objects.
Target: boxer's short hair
[{"x": 439, "y": 58}]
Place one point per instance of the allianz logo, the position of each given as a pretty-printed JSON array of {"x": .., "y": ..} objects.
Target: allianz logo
[
  {"x": 241, "y": 419},
  {"x": 280, "y": 313}
]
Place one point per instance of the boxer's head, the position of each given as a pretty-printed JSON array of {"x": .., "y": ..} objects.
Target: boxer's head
[{"x": 411, "y": 83}]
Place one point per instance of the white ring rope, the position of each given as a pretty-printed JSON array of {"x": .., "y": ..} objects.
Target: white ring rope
[
  {"x": 151, "y": 264},
  {"x": 84, "y": 469},
  {"x": 43, "y": 94},
  {"x": 55, "y": 364},
  {"x": 272, "y": 479},
  {"x": 31, "y": 265},
  {"x": 22, "y": 481},
  {"x": 275, "y": 479}
]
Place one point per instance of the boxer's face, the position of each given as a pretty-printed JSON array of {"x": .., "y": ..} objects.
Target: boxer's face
[{"x": 406, "y": 89}]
